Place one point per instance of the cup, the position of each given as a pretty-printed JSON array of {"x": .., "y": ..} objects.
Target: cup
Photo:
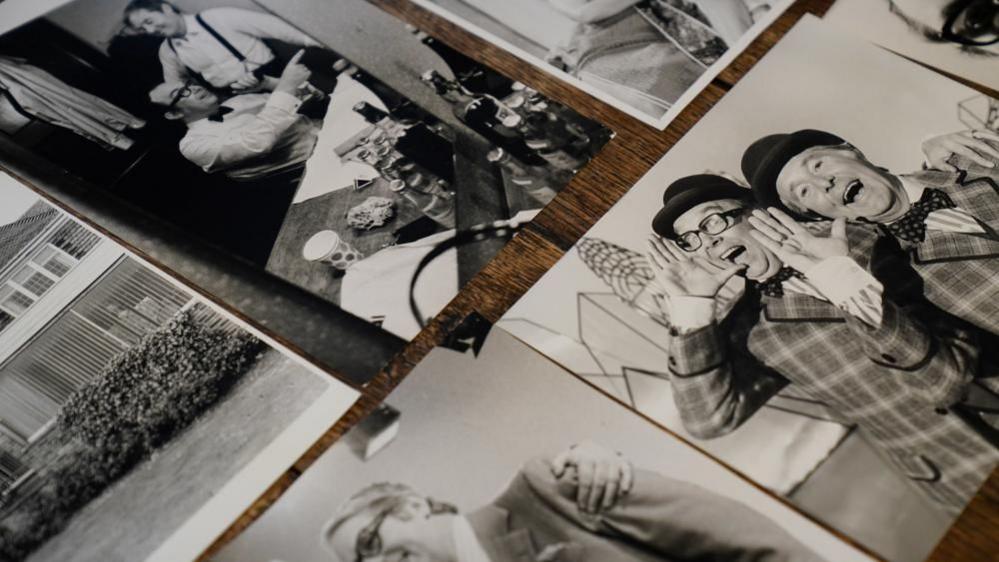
[{"x": 326, "y": 246}]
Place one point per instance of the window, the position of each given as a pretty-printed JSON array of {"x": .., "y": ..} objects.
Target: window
[
  {"x": 13, "y": 301},
  {"x": 34, "y": 281},
  {"x": 53, "y": 260},
  {"x": 5, "y": 320}
]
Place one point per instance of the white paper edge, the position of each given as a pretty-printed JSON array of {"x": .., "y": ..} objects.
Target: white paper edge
[
  {"x": 660, "y": 123},
  {"x": 216, "y": 515}
]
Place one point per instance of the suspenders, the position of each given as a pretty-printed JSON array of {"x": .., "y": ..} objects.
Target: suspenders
[{"x": 218, "y": 37}]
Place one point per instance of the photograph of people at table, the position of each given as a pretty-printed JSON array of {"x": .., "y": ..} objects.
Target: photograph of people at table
[
  {"x": 328, "y": 143},
  {"x": 806, "y": 287},
  {"x": 444, "y": 473},
  {"x": 136, "y": 419},
  {"x": 648, "y": 58},
  {"x": 960, "y": 37}
]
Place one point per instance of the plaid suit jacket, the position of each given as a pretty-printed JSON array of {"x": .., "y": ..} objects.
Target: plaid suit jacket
[
  {"x": 660, "y": 520},
  {"x": 961, "y": 271},
  {"x": 894, "y": 382}
]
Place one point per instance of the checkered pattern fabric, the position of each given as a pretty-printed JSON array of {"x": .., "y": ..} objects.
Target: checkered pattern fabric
[
  {"x": 961, "y": 269},
  {"x": 894, "y": 381}
]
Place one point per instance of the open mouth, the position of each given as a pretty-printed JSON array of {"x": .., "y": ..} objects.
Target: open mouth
[
  {"x": 854, "y": 190},
  {"x": 732, "y": 253}
]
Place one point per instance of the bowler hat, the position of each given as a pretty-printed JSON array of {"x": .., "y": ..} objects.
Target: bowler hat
[
  {"x": 686, "y": 193},
  {"x": 764, "y": 159}
]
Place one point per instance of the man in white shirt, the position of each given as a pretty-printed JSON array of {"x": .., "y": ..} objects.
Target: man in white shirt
[
  {"x": 224, "y": 47},
  {"x": 248, "y": 136},
  {"x": 586, "y": 504}
]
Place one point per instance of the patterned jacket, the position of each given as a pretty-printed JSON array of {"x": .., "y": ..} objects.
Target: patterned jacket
[
  {"x": 894, "y": 382},
  {"x": 660, "y": 520},
  {"x": 961, "y": 271}
]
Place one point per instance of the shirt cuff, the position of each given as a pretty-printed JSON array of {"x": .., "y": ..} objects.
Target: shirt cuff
[
  {"x": 687, "y": 313},
  {"x": 284, "y": 102},
  {"x": 850, "y": 287}
]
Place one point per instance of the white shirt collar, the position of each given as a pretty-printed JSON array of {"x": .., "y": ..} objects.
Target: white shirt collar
[
  {"x": 913, "y": 189},
  {"x": 192, "y": 26},
  {"x": 467, "y": 545}
]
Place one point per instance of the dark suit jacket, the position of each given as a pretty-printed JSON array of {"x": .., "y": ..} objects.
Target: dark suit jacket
[{"x": 659, "y": 520}]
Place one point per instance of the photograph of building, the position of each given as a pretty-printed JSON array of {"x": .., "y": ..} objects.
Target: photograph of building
[{"x": 121, "y": 392}]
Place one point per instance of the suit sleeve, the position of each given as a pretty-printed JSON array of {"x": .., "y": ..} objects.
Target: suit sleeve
[
  {"x": 674, "y": 519},
  {"x": 215, "y": 152},
  {"x": 715, "y": 388}
]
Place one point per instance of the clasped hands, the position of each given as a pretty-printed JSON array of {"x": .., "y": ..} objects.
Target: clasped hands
[{"x": 602, "y": 476}]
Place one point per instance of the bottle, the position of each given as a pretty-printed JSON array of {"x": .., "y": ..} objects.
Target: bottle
[
  {"x": 531, "y": 182},
  {"x": 413, "y": 139},
  {"x": 555, "y": 155},
  {"x": 544, "y": 121},
  {"x": 467, "y": 72},
  {"x": 485, "y": 115},
  {"x": 436, "y": 206}
]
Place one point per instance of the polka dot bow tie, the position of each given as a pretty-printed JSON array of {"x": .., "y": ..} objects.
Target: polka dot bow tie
[
  {"x": 912, "y": 226},
  {"x": 773, "y": 287}
]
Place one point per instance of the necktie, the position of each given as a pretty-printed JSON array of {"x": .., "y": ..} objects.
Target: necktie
[
  {"x": 220, "y": 114},
  {"x": 912, "y": 226},
  {"x": 773, "y": 287}
]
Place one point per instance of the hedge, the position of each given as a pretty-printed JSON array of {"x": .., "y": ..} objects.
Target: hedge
[{"x": 141, "y": 400}]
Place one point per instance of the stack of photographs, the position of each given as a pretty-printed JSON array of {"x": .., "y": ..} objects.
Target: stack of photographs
[
  {"x": 778, "y": 345},
  {"x": 677, "y": 304}
]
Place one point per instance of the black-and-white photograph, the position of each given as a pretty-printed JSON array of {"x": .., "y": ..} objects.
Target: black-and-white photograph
[
  {"x": 335, "y": 159},
  {"x": 957, "y": 36},
  {"x": 507, "y": 457},
  {"x": 136, "y": 421},
  {"x": 812, "y": 299},
  {"x": 648, "y": 58}
]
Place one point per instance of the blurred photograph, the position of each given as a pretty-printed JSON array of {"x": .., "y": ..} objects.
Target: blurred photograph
[
  {"x": 813, "y": 298},
  {"x": 331, "y": 146},
  {"x": 444, "y": 473},
  {"x": 136, "y": 420},
  {"x": 648, "y": 58},
  {"x": 960, "y": 37}
]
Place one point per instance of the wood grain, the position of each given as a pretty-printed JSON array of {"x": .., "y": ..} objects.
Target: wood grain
[{"x": 624, "y": 160}]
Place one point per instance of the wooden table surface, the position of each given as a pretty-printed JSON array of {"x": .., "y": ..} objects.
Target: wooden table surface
[{"x": 975, "y": 536}]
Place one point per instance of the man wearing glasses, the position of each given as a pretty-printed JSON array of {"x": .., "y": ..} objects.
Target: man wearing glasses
[
  {"x": 586, "y": 505},
  {"x": 248, "y": 136},
  {"x": 812, "y": 313},
  {"x": 972, "y": 25}
]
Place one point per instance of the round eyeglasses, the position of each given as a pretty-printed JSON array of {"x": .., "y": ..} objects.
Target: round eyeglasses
[
  {"x": 973, "y": 22},
  {"x": 715, "y": 223},
  {"x": 184, "y": 91}
]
